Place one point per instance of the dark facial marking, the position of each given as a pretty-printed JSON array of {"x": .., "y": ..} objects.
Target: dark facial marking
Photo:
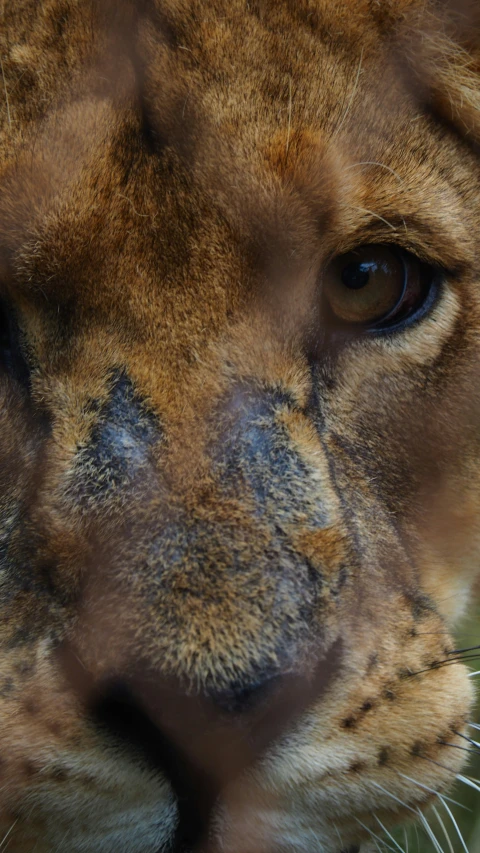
[
  {"x": 120, "y": 444},
  {"x": 417, "y": 748},
  {"x": 256, "y": 450},
  {"x": 383, "y": 756}
]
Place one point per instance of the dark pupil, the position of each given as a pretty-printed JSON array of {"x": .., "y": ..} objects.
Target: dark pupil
[{"x": 356, "y": 275}]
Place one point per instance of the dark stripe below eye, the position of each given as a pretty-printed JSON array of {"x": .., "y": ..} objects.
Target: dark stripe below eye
[{"x": 12, "y": 360}]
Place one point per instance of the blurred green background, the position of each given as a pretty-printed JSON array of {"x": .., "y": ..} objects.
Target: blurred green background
[{"x": 468, "y": 816}]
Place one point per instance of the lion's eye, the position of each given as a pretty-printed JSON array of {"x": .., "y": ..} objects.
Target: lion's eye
[{"x": 375, "y": 286}]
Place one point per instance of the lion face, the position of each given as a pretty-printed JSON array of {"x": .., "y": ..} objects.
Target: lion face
[{"x": 239, "y": 424}]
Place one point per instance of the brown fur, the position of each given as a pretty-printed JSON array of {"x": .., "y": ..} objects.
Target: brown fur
[{"x": 196, "y": 502}]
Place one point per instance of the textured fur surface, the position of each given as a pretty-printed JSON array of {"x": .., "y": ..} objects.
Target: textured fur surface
[{"x": 231, "y": 557}]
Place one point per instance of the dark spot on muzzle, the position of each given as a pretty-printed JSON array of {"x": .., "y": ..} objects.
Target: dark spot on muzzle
[{"x": 118, "y": 452}]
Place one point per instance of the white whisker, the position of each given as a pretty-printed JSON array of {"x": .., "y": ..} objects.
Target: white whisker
[
  {"x": 430, "y": 790},
  {"x": 472, "y": 674},
  {"x": 457, "y": 828},
  {"x": 415, "y": 826},
  {"x": 438, "y": 816},
  {"x": 397, "y": 800},
  {"x": 339, "y": 836},
  {"x": 374, "y": 163},
  {"x": 397, "y": 845},
  {"x": 372, "y": 213},
  {"x": 5, "y": 837},
  {"x": 430, "y": 832},
  {"x": 376, "y": 838},
  {"x": 468, "y": 782}
]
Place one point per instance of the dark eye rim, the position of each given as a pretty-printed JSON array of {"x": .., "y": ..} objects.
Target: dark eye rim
[
  {"x": 394, "y": 321},
  {"x": 411, "y": 319}
]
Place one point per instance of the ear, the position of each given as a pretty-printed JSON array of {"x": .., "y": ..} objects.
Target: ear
[{"x": 441, "y": 42}]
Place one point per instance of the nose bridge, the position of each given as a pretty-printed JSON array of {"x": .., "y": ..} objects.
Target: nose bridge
[{"x": 249, "y": 450}]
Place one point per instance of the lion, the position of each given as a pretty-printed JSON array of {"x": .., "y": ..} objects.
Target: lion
[{"x": 239, "y": 444}]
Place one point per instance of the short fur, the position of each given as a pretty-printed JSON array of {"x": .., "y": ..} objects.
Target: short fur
[{"x": 231, "y": 559}]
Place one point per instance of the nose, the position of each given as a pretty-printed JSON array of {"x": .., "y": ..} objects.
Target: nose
[
  {"x": 198, "y": 748},
  {"x": 217, "y": 574}
]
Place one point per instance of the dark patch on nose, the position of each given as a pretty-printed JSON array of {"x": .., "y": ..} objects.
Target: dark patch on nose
[
  {"x": 256, "y": 450},
  {"x": 120, "y": 444}
]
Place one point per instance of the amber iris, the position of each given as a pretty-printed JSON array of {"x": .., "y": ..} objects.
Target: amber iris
[{"x": 373, "y": 285}]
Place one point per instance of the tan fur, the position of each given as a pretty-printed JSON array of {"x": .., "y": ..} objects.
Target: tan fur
[{"x": 251, "y": 514}]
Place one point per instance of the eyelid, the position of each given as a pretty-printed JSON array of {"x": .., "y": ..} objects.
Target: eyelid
[{"x": 403, "y": 239}]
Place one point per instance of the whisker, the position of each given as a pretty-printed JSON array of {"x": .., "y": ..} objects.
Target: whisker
[
  {"x": 339, "y": 836},
  {"x": 472, "y": 674},
  {"x": 437, "y": 815},
  {"x": 465, "y": 655},
  {"x": 474, "y": 725},
  {"x": 462, "y": 657},
  {"x": 432, "y": 634},
  {"x": 7, "y": 834},
  {"x": 389, "y": 794},
  {"x": 374, "y": 163},
  {"x": 468, "y": 739},
  {"x": 442, "y": 663},
  {"x": 397, "y": 845},
  {"x": 469, "y": 782},
  {"x": 462, "y": 651},
  {"x": 457, "y": 828},
  {"x": 430, "y": 790},
  {"x": 372, "y": 213},
  {"x": 446, "y": 769},
  {"x": 430, "y": 832},
  {"x": 376, "y": 838},
  {"x": 415, "y": 826},
  {"x": 455, "y": 746}
]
